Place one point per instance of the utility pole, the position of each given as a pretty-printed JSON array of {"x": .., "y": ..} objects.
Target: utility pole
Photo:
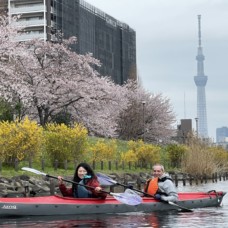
[
  {"x": 197, "y": 126},
  {"x": 143, "y": 103}
]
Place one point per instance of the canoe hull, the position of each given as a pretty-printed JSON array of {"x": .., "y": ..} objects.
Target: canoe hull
[{"x": 56, "y": 205}]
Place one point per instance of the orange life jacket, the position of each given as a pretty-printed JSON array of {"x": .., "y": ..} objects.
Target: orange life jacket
[{"x": 152, "y": 186}]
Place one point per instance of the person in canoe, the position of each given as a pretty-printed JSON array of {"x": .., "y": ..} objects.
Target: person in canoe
[
  {"x": 161, "y": 186},
  {"x": 85, "y": 176}
]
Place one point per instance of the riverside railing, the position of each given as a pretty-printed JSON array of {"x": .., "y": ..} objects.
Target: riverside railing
[{"x": 67, "y": 165}]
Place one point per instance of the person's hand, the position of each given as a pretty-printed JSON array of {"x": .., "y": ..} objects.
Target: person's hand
[
  {"x": 98, "y": 189},
  {"x": 130, "y": 186},
  {"x": 157, "y": 196},
  {"x": 60, "y": 179}
]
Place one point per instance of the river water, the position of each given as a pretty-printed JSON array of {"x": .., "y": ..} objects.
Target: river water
[{"x": 205, "y": 217}]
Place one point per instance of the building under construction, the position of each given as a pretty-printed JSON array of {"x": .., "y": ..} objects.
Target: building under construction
[{"x": 111, "y": 41}]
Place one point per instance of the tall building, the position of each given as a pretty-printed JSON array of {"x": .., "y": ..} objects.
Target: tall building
[
  {"x": 200, "y": 81},
  {"x": 222, "y": 137},
  {"x": 184, "y": 130},
  {"x": 111, "y": 41},
  {"x": 221, "y": 134},
  {"x": 3, "y": 6}
]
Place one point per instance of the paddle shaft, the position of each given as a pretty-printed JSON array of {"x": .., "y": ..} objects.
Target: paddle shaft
[{"x": 136, "y": 190}]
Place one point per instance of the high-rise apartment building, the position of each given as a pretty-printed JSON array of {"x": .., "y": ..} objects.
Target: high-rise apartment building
[
  {"x": 111, "y": 41},
  {"x": 184, "y": 130},
  {"x": 3, "y": 5},
  {"x": 221, "y": 134},
  {"x": 222, "y": 137}
]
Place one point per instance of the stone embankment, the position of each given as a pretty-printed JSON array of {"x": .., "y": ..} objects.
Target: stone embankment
[{"x": 24, "y": 186}]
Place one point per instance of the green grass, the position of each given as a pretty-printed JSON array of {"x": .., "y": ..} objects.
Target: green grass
[{"x": 9, "y": 172}]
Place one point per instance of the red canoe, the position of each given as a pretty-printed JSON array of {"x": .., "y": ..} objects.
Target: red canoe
[{"x": 57, "y": 205}]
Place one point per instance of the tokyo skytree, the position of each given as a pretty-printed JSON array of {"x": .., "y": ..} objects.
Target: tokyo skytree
[{"x": 200, "y": 81}]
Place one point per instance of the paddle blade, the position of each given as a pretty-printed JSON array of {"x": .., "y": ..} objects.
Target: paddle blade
[
  {"x": 183, "y": 209},
  {"x": 33, "y": 171},
  {"x": 128, "y": 197},
  {"x": 105, "y": 180}
]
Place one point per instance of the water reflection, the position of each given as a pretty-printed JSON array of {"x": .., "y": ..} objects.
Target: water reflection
[
  {"x": 58, "y": 221},
  {"x": 205, "y": 217},
  {"x": 122, "y": 220},
  {"x": 210, "y": 217}
]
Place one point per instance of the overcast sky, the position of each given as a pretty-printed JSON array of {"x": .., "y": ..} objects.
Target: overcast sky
[{"x": 167, "y": 42}]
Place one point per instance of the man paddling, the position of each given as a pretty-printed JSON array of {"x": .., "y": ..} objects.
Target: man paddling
[{"x": 161, "y": 185}]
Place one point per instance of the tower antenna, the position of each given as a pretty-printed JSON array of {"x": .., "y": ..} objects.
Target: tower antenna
[
  {"x": 199, "y": 29},
  {"x": 184, "y": 107}
]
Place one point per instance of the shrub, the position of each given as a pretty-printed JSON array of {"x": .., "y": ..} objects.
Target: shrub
[
  {"x": 201, "y": 159},
  {"x": 145, "y": 153},
  {"x": 129, "y": 156},
  {"x": 175, "y": 154},
  {"x": 220, "y": 158},
  {"x": 65, "y": 143},
  {"x": 103, "y": 150},
  {"x": 6, "y": 111},
  {"x": 21, "y": 140}
]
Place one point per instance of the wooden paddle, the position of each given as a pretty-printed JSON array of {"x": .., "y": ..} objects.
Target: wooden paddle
[
  {"x": 108, "y": 179},
  {"x": 127, "y": 197}
]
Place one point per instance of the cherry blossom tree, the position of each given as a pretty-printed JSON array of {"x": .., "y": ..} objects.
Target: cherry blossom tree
[
  {"x": 148, "y": 116},
  {"x": 51, "y": 77},
  {"x": 48, "y": 77}
]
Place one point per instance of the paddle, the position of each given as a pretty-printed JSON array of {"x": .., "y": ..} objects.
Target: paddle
[
  {"x": 127, "y": 197},
  {"x": 108, "y": 179}
]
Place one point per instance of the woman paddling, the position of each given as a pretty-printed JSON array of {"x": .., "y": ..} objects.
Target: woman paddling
[{"x": 83, "y": 175}]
